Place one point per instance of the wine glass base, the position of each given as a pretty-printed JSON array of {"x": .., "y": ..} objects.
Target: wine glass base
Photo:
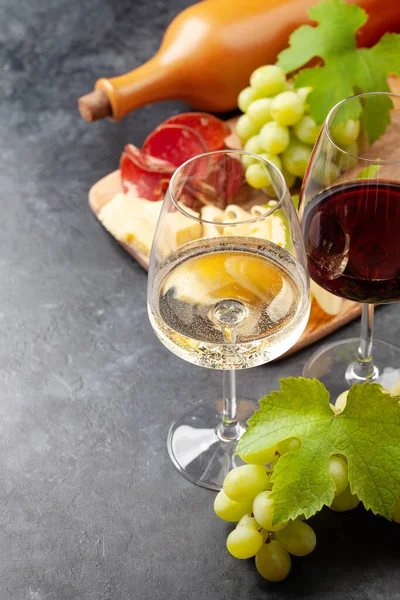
[
  {"x": 198, "y": 451},
  {"x": 333, "y": 364}
]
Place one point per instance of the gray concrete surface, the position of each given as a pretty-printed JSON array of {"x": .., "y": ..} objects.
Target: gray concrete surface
[{"x": 91, "y": 507}]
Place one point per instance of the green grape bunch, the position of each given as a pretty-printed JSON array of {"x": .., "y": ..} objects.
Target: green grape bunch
[
  {"x": 247, "y": 500},
  {"x": 283, "y": 117},
  {"x": 275, "y": 125},
  {"x": 278, "y": 126}
]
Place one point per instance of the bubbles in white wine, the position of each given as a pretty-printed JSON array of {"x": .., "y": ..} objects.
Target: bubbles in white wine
[{"x": 232, "y": 304}]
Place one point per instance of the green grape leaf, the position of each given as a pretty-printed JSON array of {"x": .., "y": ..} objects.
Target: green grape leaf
[
  {"x": 346, "y": 69},
  {"x": 369, "y": 172},
  {"x": 367, "y": 433}
]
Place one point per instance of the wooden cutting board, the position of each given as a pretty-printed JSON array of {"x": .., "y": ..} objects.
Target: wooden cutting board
[{"x": 319, "y": 325}]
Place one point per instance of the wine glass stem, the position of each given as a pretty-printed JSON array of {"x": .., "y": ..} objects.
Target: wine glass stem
[
  {"x": 364, "y": 368},
  {"x": 228, "y": 314},
  {"x": 229, "y": 429}
]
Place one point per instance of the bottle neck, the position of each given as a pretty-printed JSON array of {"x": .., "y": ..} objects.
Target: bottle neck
[{"x": 148, "y": 83}]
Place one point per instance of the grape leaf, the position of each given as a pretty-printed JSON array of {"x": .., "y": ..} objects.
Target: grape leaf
[
  {"x": 367, "y": 433},
  {"x": 369, "y": 172},
  {"x": 346, "y": 69}
]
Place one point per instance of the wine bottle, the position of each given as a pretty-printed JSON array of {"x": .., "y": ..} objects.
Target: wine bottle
[{"x": 210, "y": 49}]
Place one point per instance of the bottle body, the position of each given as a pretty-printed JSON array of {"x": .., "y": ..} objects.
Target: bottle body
[{"x": 210, "y": 49}]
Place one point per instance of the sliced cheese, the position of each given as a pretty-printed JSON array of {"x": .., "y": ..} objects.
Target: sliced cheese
[
  {"x": 236, "y": 214},
  {"x": 152, "y": 211},
  {"x": 259, "y": 210},
  {"x": 279, "y": 234},
  {"x": 131, "y": 221},
  {"x": 216, "y": 215},
  {"x": 245, "y": 230},
  {"x": 329, "y": 303},
  {"x": 178, "y": 229}
]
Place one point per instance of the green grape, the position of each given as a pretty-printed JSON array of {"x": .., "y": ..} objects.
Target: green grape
[
  {"x": 352, "y": 148},
  {"x": 244, "y": 483},
  {"x": 249, "y": 521},
  {"x": 230, "y": 510},
  {"x": 245, "y": 98},
  {"x": 327, "y": 172},
  {"x": 345, "y": 501},
  {"x": 289, "y": 445},
  {"x": 396, "y": 513},
  {"x": 274, "y": 138},
  {"x": 303, "y": 92},
  {"x": 264, "y": 513},
  {"x": 347, "y": 161},
  {"x": 244, "y": 542},
  {"x": 245, "y": 128},
  {"x": 260, "y": 458},
  {"x": 287, "y": 108},
  {"x": 257, "y": 176},
  {"x": 259, "y": 111},
  {"x": 307, "y": 130},
  {"x": 395, "y": 389},
  {"x": 289, "y": 87},
  {"x": 248, "y": 160},
  {"x": 289, "y": 178},
  {"x": 252, "y": 145},
  {"x": 273, "y": 562},
  {"x": 298, "y": 538},
  {"x": 346, "y": 133},
  {"x": 268, "y": 80},
  {"x": 341, "y": 400},
  {"x": 339, "y": 472},
  {"x": 296, "y": 158},
  {"x": 274, "y": 158}
]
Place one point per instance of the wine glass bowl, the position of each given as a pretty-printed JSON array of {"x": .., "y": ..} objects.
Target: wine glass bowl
[
  {"x": 350, "y": 212},
  {"x": 227, "y": 290}
]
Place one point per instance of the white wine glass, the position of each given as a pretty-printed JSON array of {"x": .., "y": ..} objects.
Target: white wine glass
[{"x": 228, "y": 289}]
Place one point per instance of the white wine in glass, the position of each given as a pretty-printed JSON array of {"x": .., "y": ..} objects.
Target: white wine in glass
[{"x": 227, "y": 290}]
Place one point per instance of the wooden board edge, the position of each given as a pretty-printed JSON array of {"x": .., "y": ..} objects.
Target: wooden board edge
[
  {"x": 99, "y": 195},
  {"x": 352, "y": 312}
]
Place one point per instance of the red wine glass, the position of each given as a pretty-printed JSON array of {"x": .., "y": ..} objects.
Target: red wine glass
[{"x": 350, "y": 213}]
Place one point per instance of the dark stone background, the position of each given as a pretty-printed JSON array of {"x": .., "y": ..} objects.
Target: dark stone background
[{"x": 90, "y": 505}]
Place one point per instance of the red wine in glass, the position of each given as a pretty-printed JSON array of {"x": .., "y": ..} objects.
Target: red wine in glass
[{"x": 352, "y": 239}]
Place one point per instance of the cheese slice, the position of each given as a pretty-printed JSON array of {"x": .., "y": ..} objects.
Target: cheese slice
[
  {"x": 277, "y": 232},
  {"x": 216, "y": 215},
  {"x": 235, "y": 214},
  {"x": 178, "y": 229},
  {"x": 329, "y": 303},
  {"x": 131, "y": 220},
  {"x": 152, "y": 211}
]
